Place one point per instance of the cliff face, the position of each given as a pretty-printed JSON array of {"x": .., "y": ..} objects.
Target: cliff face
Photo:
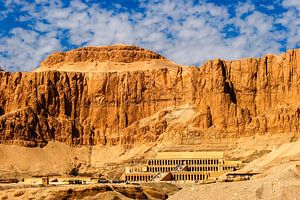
[{"x": 183, "y": 105}]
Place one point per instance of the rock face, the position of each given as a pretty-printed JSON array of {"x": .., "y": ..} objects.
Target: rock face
[
  {"x": 115, "y": 58},
  {"x": 168, "y": 103}
]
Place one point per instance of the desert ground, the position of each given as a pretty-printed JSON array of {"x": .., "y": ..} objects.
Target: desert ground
[{"x": 275, "y": 159}]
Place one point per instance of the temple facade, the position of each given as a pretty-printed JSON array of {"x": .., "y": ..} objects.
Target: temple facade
[{"x": 181, "y": 166}]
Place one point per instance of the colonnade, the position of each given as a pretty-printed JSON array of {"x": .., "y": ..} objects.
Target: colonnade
[
  {"x": 184, "y": 162},
  {"x": 204, "y": 169},
  {"x": 138, "y": 178},
  {"x": 175, "y": 177},
  {"x": 193, "y": 169},
  {"x": 190, "y": 177}
]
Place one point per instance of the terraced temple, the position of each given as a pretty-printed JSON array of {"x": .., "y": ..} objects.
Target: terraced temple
[{"x": 181, "y": 166}]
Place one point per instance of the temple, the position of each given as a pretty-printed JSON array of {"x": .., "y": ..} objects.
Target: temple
[{"x": 181, "y": 166}]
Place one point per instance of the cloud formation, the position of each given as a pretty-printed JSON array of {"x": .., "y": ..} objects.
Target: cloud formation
[{"x": 184, "y": 31}]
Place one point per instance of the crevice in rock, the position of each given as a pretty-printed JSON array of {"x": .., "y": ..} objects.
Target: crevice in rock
[
  {"x": 229, "y": 89},
  {"x": 1, "y": 111}
]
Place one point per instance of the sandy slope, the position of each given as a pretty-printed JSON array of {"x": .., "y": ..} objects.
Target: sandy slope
[
  {"x": 59, "y": 158},
  {"x": 281, "y": 182},
  {"x": 279, "y": 179},
  {"x": 109, "y": 66}
]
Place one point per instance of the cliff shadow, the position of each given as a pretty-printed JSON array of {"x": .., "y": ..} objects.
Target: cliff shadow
[
  {"x": 229, "y": 89},
  {"x": 1, "y": 111}
]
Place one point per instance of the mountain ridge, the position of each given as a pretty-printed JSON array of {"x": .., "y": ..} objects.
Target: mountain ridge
[{"x": 177, "y": 104}]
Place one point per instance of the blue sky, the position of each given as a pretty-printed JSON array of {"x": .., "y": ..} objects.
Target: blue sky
[{"x": 185, "y": 31}]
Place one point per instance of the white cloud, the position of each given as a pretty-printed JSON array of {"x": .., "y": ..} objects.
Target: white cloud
[
  {"x": 244, "y": 8},
  {"x": 186, "y": 33},
  {"x": 291, "y": 20},
  {"x": 291, "y": 3},
  {"x": 24, "y": 48}
]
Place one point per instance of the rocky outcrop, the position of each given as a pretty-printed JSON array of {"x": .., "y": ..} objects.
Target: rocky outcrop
[
  {"x": 116, "y": 58},
  {"x": 90, "y": 191},
  {"x": 115, "y": 53},
  {"x": 219, "y": 100}
]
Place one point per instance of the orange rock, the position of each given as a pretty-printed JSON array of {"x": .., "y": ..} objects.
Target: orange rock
[{"x": 164, "y": 103}]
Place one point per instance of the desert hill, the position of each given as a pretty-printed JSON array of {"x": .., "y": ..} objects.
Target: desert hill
[
  {"x": 126, "y": 95},
  {"x": 115, "y": 58}
]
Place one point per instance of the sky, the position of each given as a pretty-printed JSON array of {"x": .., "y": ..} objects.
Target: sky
[{"x": 188, "y": 32}]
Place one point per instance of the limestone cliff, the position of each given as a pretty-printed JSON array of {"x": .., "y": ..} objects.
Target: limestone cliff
[{"x": 130, "y": 104}]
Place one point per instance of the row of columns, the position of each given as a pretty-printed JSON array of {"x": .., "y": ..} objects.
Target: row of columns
[
  {"x": 193, "y": 169},
  {"x": 138, "y": 178},
  {"x": 161, "y": 169},
  {"x": 226, "y": 168},
  {"x": 176, "y": 177},
  {"x": 204, "y": 169},
  {"x": 190, "y": 177},
  {"x": 182, "y": 162}
]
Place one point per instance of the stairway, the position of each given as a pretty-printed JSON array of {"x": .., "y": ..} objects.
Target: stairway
[{"x": 161, "y": 176}]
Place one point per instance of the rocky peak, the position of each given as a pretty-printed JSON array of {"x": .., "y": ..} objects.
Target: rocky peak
[{"x": 101, "y": 58}]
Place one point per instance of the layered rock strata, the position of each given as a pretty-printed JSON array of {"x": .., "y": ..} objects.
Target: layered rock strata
[{"x": 219, "y": 100}]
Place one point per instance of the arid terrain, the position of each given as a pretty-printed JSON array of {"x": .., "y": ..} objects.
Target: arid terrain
[{"x": 98, "y": 109}]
